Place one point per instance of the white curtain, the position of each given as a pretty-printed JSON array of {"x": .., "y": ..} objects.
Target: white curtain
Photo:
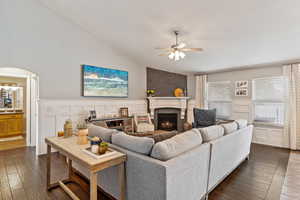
[
  {"x": 292, "y": 105},
  {"x": 201, "y": 86}
]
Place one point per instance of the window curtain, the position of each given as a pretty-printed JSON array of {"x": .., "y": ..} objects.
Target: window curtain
[
  {"x": 201, "y": 85},
  {"x": 292, "y": 105}
]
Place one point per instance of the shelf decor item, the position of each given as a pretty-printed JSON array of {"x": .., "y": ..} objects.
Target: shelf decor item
[
  {"x": 95, "y": 142},
  {"x": 178, "y": 92},
  {"x": 68, "y": 128},
  {"x": 150, "y": 93},
  {"x": 124, "y": 112},
  {"x": 104, "y": 82}
]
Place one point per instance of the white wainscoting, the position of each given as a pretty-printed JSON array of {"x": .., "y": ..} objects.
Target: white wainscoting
[
  {"x": 267, "y": 135},
  {"x": 270, "y": 136},
  {"x": 53, "y": 114}
]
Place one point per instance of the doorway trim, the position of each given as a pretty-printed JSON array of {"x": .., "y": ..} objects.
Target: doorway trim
[{"x": 32, "y": 99}]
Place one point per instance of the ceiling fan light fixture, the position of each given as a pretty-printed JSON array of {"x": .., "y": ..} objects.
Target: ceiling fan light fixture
[
  {"x": 171, "y": 56},
  {"x": 177, "y": 55},
  {"x": 176, "y": 51},
  {"x": 182, "y": 55}
]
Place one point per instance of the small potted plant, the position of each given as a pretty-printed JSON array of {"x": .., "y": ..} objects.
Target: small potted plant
[
  {"x": 150, "y": 92},
  {"x": 103, "y": 147}
]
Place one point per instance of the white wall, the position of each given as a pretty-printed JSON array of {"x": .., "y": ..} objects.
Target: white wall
[{"x": 37, "y": 39}]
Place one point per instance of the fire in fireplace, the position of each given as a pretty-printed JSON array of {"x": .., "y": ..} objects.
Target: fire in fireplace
[{"x": 167, "y": 121}]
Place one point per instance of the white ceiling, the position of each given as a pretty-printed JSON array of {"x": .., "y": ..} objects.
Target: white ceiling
[{"x": 232, "y": 33}]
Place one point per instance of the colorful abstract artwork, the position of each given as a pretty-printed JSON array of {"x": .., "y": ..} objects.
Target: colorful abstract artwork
[{"x": 104, "y": 82}]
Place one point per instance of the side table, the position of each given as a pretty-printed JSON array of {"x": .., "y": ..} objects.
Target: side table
[{"x": 74, "y": 152}]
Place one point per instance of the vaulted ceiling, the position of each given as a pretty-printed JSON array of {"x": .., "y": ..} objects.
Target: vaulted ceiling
[{"x": 232, "y": 33}]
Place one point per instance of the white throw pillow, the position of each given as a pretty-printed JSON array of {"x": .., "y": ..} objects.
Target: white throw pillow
[
  {"x": 242, "y": 123},
  {"x": 211, "y": 133},
  {"x": 229, "y": 127}
]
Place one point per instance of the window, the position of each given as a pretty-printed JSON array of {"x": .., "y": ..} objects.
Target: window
[
  {"x": 268, "y": 99},
  {"x": 219, "y": 96}
]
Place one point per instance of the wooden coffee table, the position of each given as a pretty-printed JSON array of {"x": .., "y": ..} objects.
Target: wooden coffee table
[{"x": 74, "y": 152}]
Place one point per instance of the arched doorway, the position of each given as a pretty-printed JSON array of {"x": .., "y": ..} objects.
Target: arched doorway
[{"x": 31, "y": 99}]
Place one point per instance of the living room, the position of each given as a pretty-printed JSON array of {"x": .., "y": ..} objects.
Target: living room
[{"x": 188, "y": 81}]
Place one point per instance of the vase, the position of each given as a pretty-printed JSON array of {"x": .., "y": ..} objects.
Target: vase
[{"x": 82, "y": 136}]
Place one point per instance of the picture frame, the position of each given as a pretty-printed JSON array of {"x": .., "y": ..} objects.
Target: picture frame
[
  {"x": 103, "y": 82},
  {"x": 241, "y": 84},
  {"x": 241, "y": 88},
  {"x": 241, "y": 92},
  {"x": 124, "y": 112}
]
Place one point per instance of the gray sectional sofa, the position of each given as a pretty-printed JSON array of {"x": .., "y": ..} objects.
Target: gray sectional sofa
[{"x": 187, "y": 166}]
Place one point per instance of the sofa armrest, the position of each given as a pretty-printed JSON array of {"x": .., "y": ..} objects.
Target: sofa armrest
[
  {"x": 187, "y": 174},
  {"x": 227, "y": 153}
]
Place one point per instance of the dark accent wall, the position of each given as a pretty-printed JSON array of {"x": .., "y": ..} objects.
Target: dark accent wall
[{"x": 164, "y": 82}]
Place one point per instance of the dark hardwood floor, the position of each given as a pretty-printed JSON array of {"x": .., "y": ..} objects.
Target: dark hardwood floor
[
  {"x": 259, "y": 178},
  {"x": 23, "y": 176}
]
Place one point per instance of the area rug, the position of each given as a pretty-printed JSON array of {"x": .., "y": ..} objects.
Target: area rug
[{"x": 11, "y": 139}]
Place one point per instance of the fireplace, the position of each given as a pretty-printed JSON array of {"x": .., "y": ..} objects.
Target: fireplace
[{"x": 168, "y": 119}]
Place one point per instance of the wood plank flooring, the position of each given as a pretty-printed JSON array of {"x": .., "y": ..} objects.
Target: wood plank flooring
[
  {"x": 259, "y": 178},
  {"x": 23, "y": 176},
  {"x": 12, "y": 144},
  {"x": 291, "y": 186}
]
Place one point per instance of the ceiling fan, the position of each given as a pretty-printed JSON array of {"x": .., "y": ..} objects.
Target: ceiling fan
[{"x": 176, "y": 51}]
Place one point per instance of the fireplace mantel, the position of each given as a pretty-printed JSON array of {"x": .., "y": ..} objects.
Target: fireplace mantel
[{"x": 168, "y": 102}]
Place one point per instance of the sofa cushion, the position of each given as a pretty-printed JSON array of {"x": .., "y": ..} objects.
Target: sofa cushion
[
  {"x": 163, "y": 136},
  {"x": 211, "y": 133},
  {"x": 242, "y": 123},
  {"x": 229, "y": 127},
  {"x": 141, "y": 145},
  {"x": 104, "y": 133},
  {"x": 176, "y": 145}
]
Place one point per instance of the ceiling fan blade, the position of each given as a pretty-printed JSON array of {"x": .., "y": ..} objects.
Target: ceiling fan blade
[
  {"x": 165, "y": 49},
  {"x": 191, "y": 49},
  {"x": 181, "y": 45},
  {"x": 164, "y": 54}
]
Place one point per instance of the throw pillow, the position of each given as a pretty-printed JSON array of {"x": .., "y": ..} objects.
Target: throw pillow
[
  {"x": 204, "y": 117},
  {"x": 104, "y": 133},
  {"x": 229, "y": 127},
  {"x": 141, "y": 145},
  {"x": 176, "y": 145},
  {"x": 242, "y": 123},
  {"x": 211, "y": 133},
  {"x": 163, "y": 136}
]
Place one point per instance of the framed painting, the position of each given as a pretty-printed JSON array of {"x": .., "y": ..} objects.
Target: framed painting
[{"x": 104, "y": 82}]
